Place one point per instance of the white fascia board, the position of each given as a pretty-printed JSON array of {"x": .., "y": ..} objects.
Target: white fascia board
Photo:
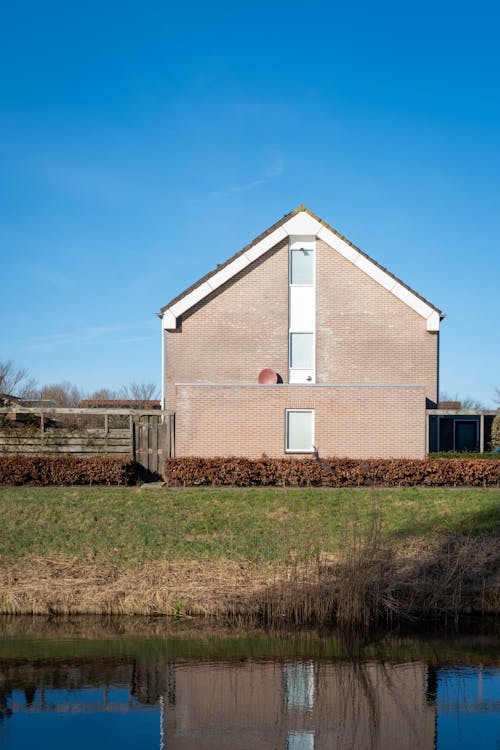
[
  {"x": 360, "y": 261},
  {"x": 375, "y": 273},
  {"x": 381, "y": 277},
  {"x": 191, "y": 299},
  {"x": 410, "y": 299},
  {"x": 225, "y": 274},
  {"x": 264, "y": 245},
  {"x": 168, "y": 321},
  {"x": 338, "y": 244},
  {"x": 302, "y": 224},
  {"x": 219, "y": 278},
  {"x": 433, "y": 321}
]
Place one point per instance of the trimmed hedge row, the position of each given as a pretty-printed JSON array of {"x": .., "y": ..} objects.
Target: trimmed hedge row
[
  {"x": 67, "y": 470},
  {"x": 332, "y": 472},
  {"x": 463, "y": 454}
]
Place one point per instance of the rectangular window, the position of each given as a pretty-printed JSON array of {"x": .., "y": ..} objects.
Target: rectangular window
[
  {"x": 302, "y": 266},
  {"x": 300, "y": 741},
  {"x": 302, "y": 309},
  {"x": 300, "y": 430},
  {"x": 302, "y": 350},
  {"x": 298, "y": 686}
]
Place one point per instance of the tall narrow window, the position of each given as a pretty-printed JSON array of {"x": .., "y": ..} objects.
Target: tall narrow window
[
  {"x": 298, "y": 686},
  {"x": 299, "y": 430},
  {"x": 302, "y": 266},
  {"x": 302, "y": 310},
  {"x": 300, "y": 741},
  {"x": 302, "y": 350}
]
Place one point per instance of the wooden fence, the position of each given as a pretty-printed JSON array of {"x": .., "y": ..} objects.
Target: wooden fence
[
  {"x": 153, "y": 440},
  {"x": 147, "y": 436}
]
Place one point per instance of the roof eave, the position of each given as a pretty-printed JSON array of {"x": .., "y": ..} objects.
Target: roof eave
[{"x": 294, "y": 224}]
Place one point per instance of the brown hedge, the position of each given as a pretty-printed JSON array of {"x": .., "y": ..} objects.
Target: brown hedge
[
  {"x": 331, "y": 472},
  {"x": 67, "y": 470}
]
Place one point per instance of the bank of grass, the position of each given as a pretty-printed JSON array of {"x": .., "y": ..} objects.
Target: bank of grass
[
  {"x": 303, "y": 555},
  {"x": 128, "y": 527},
  {"x": 129, "y": 638}
]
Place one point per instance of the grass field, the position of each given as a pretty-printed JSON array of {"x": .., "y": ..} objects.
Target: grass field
[
  {"x": 128, "y": 527},
  {"x": 214, "y": 551}
]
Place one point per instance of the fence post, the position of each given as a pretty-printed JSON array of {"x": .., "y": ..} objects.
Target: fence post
[
  {"x": 172, "y": 435},
  {"x": 132, "y": 427}
]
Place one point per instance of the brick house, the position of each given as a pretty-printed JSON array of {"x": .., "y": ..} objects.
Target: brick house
[{"x": 350, "y": 352}]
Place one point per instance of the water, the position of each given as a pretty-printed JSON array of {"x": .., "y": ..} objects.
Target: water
[{"x": 130, "y": 684}]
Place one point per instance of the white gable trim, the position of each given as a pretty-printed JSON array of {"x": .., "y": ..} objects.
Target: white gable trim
[
  {"x": 381, "y": 277},
  {"x": 171, "y": 314},
  {"x": 302, "y": 223}
]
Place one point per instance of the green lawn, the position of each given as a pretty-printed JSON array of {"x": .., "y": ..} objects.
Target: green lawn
[{"x": 131, "y": 526}]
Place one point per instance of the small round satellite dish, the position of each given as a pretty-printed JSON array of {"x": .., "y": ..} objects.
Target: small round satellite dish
[{"x": 267, "y": 376}]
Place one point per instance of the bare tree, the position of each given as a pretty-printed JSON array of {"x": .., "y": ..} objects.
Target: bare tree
[
  {"x": 15, "y": 381},
  {"x": 496, "y": 395},
  {"x": 103, "y": 394},
  {"x": 140, "y": 392},
  {"x": 63, "y": 394},
  {"x": 466, "y": 402}
]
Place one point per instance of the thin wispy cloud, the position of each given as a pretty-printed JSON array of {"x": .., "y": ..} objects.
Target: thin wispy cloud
[
  {"x": 135, "y": 339},
  {"x": 107, "y": 333},
  {"x": 238, "y": 188},
  {"x": 54, "y": 278},
  {"x": 275, "y": 169}
]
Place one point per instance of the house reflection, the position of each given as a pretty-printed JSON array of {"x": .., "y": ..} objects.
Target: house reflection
[
  {"x": 247, "y": 704},
  {"x": 201, "y": 700},
  {"x": 299, "y": 706}
]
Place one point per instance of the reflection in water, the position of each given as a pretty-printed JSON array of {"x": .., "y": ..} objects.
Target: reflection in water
[
  {"x": 468, "y": 707},
  {"x": 279, "y": 704},
  {"x": 300, "y": 705}
]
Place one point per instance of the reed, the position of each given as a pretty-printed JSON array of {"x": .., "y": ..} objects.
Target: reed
[
  {"x": 359, "y": 559},
  {"x": 364, "y": 589}
]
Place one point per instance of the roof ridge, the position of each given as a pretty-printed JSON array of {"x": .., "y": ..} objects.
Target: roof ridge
[{"x": 302, "y": 208}]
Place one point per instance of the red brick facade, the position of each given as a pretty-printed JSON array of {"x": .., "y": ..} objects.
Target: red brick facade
[
  {"x": 365, "y": 336},
  {"x": 350, "y": 421},
  {"x": 231, "y": 336}
]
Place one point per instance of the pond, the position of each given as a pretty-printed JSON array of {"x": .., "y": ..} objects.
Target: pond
[{"x": 152, "y": 684}]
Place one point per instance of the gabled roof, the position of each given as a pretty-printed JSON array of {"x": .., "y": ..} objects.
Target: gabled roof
[{"x": 300, "y": 222}]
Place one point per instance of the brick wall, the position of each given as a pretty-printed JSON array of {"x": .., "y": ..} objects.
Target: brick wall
[
  {"x": 363, "y": 333},
  {"x": 353, "y": 421},
  {"x": 237, "y": 332}
]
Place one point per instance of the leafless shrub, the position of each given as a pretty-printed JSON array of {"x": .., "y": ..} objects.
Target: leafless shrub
[
  {"x": 67, "y": 470},
  {"x": 15, "y": 381},
  {"x": 334, "y": 472}
]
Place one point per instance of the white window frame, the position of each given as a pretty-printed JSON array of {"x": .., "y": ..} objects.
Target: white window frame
[
  {"x": 309, "y": 449},
  {"x": 290, "y": 350},
  {"x": 307, "y": 246},
  {"x": 302, "y": 309}
]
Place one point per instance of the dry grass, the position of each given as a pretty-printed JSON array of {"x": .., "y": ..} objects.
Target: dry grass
[
  {"x": 371, "y": 585},
  {"x": 303, "y": 557}
]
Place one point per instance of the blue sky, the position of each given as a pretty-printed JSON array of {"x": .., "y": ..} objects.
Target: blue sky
[{"x": 143, "y": 143}]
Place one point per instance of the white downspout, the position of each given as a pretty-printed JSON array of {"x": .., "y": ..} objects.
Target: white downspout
[{"x": 163, "y": 361}]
